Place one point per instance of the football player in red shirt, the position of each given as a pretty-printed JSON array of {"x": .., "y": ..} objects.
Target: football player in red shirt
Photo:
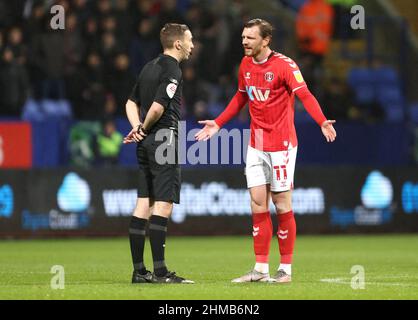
[{"x": 268, "y": 81}]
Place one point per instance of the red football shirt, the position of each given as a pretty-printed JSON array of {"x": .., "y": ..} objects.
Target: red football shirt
[{"x": 271, "y": 86}]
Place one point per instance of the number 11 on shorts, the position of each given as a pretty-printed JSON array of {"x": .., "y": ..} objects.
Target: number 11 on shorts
[{"x": 278, "y": 169}]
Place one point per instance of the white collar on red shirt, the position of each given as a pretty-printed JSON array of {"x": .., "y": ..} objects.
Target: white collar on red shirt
[{"x": 264, "y": 60}]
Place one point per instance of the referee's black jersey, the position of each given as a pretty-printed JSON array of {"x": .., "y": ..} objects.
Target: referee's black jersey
[{"x": 161, "y": 81}]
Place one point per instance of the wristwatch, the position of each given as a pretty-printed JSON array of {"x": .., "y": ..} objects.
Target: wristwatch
[{"x": 141, "y": 130}]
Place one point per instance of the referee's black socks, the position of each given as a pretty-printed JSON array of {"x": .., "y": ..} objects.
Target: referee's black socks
[
  {"x": 157, "y": 235},
  {"x": 137, "y": 241}
]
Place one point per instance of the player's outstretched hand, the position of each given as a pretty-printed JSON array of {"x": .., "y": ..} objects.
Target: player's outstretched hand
[
  {"x": 133, "y": 136},
  {"x": 328, "y": 130},
  {"x": 209, "y": 130}
]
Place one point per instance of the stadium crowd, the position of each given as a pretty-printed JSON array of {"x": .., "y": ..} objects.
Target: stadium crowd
[
  {"x": 87, "y": 70},
  {"x": 93, "y": 62}
]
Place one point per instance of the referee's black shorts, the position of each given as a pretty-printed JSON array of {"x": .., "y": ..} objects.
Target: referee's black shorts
[{"x": 159, "y": 169}]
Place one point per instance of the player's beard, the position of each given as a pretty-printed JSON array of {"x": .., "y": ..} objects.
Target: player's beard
[{"x": 254, "y": 52}]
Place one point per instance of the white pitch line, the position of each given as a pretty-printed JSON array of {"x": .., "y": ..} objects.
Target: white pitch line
[{"x": 346, "y": 281}]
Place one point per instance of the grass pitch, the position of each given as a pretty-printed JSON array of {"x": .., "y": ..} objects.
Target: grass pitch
[{"x": 101, "y": 268}]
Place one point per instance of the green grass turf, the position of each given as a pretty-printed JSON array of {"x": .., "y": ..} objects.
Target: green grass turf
[{"x": 101, "y": 268}]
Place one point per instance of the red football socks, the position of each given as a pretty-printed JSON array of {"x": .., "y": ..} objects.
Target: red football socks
[
  {"x": 286, "y": 235},
  {"x": 262, "y": 234}
]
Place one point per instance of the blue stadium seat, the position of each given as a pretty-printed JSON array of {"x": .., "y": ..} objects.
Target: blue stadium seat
[
  {"x": 389, "y": 94},
  {"x": 32, "y": 111},
  {"x": 360, "y": 76},
  {"x": 394, "y": 113},
  {"x": 57, "y": 108},
  {"x": 365, "y": 93},
  {"x": 391, "y": 99},
  {"x": 386, "y": 75},
  {"x": 362, "y": 82},
  {"x": 35, "y": 110},
  {"x": 413, "y": 111},
  {"x": 381, "y": 85}
]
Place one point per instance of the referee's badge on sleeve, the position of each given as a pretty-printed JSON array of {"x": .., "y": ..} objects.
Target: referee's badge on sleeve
[{"x": 171, "y": 89}]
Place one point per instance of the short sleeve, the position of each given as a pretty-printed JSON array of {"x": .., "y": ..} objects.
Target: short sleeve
[
  {"x": 135, "y": 95},
  {"x": 292, "y": 75},
  {"x": 169, "y": 82}
]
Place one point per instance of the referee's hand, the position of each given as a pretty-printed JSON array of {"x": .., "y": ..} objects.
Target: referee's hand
[{"x": 134, "y": 136}]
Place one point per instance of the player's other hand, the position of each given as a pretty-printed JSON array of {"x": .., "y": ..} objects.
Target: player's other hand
[
  {"x": 134, "y": 136},
  {"x": 209, "y": 130},
  {"x": 328, "y": 130}
]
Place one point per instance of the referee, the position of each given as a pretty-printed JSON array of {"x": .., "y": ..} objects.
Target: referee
[{"x": 153, "y": 110}]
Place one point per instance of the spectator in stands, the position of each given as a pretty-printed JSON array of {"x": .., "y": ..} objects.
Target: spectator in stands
[
  {"x": 193, "y": 89},
  {"x": 108, "y": 50},
  {"x": 36, "y": 22},
  {"x": 2, "y": 44},
  {"x": 337, "y": 99},
  {"x": 314, "y": 24},
  {"x": 103, "y": 8},
  {"x": 82, "y": 143},
  {"x": 124, "y": 22},
  {"x": 146, "y": 9},
  {"x": 110, "y": 107},
  {"x": 109, "y": 143},
  {"x": 314, "y": 27},
  {"x": 49, "y": 62},
  {"x": 73, "y": 45},
  {"x": 143, "y": 45},
  {"x": 193, "y": 18},
  {"x": 81, "y": 9},
  {"x": 168, "y": 13},
  {"x": 15, "y": 44},
  {"x": 92, "y": 96},
  {"x": 120, "y": 81},
  {"x": 342, "y": 17},
  {"x": 200, "y": 110},
  {"x": 10, "y": 13},
  {"x": 108, "y": 24},
  {"x": 74, "y": 48},
  {"x": 101, "y": 34},
  {"x": 14, "y": 84},
  {"x": 208, "y": 39},
  {"x": 91, "y": 34}
]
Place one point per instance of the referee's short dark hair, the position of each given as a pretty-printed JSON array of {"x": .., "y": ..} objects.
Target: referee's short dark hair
[
  {"x": 172, "y": 32},
  {"x": 265, "y": 27}
]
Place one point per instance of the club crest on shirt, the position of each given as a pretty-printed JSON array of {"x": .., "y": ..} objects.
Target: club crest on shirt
[
  {"x": 171, "y": 89},
  {"x": 247, "y": 75},
  {"x": 269, "y": 76}
]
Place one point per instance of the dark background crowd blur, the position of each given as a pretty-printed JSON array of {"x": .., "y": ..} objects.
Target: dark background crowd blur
[
  {"x": 86, "y": 71},
  {"x": 93, "y": 62}
]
